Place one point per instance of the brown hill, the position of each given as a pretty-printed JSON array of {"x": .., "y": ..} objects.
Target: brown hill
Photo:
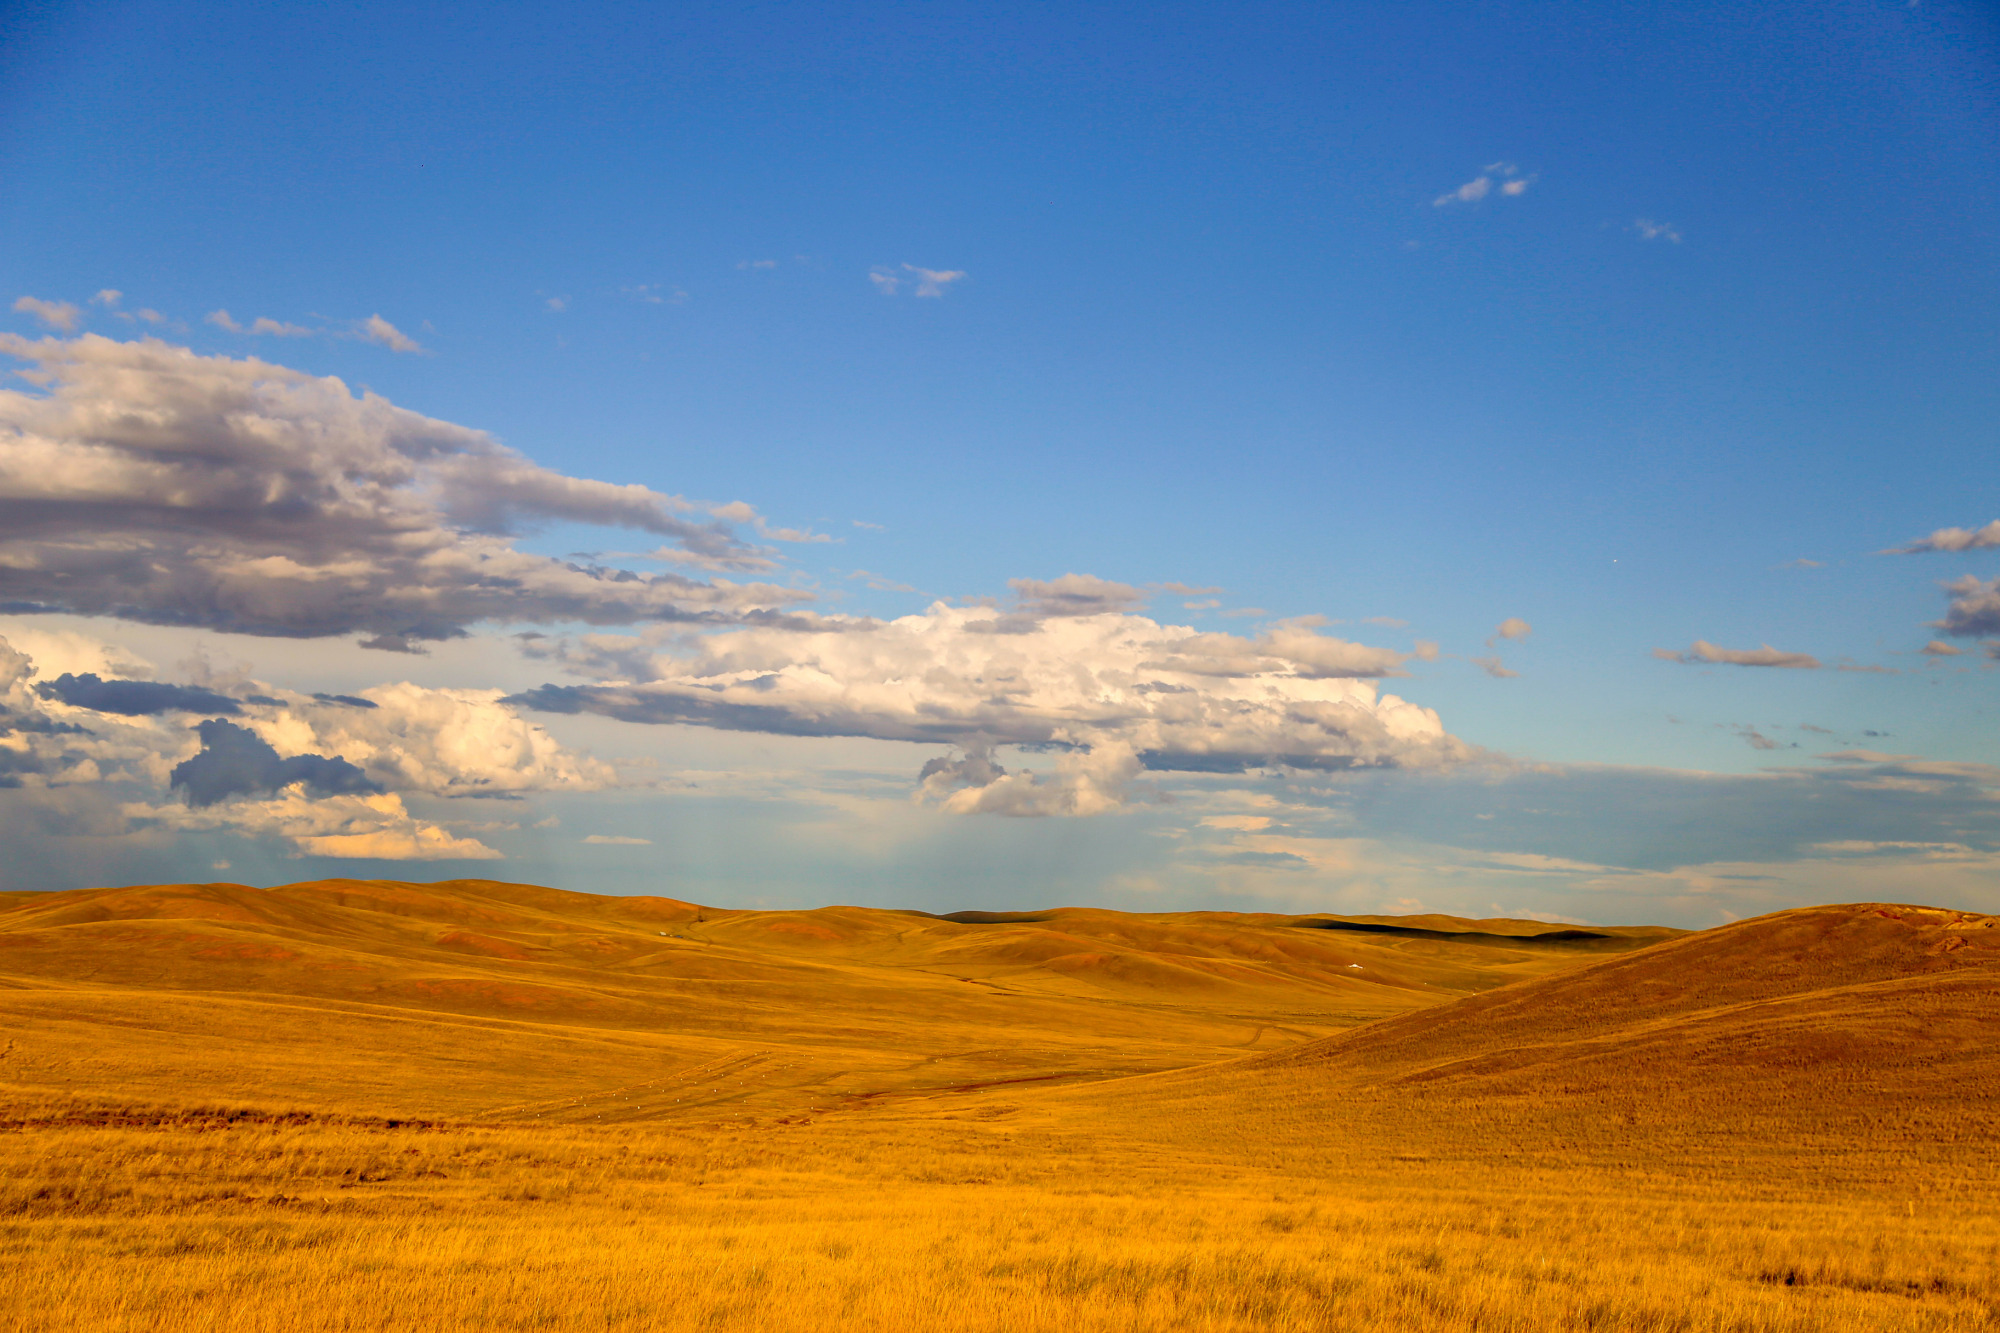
[
  {"x": 473, "y": 996},
  {"x": 1826, "y": 1032}
]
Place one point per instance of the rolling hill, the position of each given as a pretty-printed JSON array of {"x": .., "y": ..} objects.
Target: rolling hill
[{"x": 478, "y": 998}]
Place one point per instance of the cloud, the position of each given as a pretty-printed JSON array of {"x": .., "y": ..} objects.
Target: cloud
[
  {"x": 1513, "y": 627},
  {"x": 929, "y": 281},
  {"x": 263, "y": 327},
  {"x": 133, "y": 698},
  {"x": 1111, "y": 692},
  {"x": 1074, "y": 595},
  {"x": 298, "y": 768},
  {"x": 1801, "y": 562},
  {"x": 1704, "y": 652},
  {"x": 757, "y": 263},
  {"x": 1952, "y": 539},
  {"x": 108, "y": 298},
  {"x": 223, "y": 320},
  {"x": 1756, "y": 740},
  {"x": 378, "y": 330},
  {"x": 1650, "y": 230},
  {"x": 932, "y": 282},
  {"x": 1494, "y": 667},
  {"x": 152, "y": 484},
  {"x": 371, "y": 827},
  {"x": 556, "y": 304},
  {"x": 235, "y": 761},
  {"x": 871, "y": 527},
  {"x": 1939, "y": 648},
  {"x": 1975, "y": 608},
  {"x": 1504, "y": 176},
  {"x": 615, "y": 840},
  {"x": 55, "y": 314}
]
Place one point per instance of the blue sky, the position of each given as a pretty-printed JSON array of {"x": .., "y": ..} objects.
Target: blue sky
[{"x": 1642, "y": 327}]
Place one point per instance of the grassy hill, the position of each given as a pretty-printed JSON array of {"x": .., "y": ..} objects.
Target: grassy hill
[
  {"x": 472, "y": 997},
  {"x": 349, "y": 1105},
  {"x": 1860, "y": 1033}
]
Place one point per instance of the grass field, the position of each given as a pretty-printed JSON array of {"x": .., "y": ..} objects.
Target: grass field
[{"x": 348, "y": 1106}]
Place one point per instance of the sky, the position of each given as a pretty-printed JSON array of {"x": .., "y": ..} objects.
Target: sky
[{"x": 1525, "y": 460}]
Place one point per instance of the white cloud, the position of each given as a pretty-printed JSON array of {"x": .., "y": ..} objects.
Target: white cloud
[
  {"x": 1112, "y": 692},
  {"x": 1704, "y": 652},
  {"x": 929, "y": 281},
  {"x": 1939, "y": 648},
  {"x": 109, "y": 297},
  {"x": 55, "y": 314},
  {"x": 153, "y": 484},
  {"x": 379, "y": 330},
  {"x": 616, "y": 840},
  {"x": 263, "y": 327},
  {"x": 556, "y": 304},
  {"x": 223, "y": 320},
  {"x": 757, "y": 264},
  {"x": 1503, "y": 176},
  {"x": 1650, "y": 230},
  {"x": 1953, "y": 539},
  {"x": 379, "y": 746},
  {"x": 361, "y": 827},
  {"x": 932, "y": 282},
  {"x": 1513, "y": 627}
]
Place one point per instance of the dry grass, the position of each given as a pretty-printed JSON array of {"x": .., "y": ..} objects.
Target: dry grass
[{"x": 1396, "y": 1178}]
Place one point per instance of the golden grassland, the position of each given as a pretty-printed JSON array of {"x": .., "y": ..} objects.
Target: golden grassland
[{"x": 849, "y": 1120}]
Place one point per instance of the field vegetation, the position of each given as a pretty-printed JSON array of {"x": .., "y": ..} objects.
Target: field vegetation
[{"x": 356, "y": 1105}]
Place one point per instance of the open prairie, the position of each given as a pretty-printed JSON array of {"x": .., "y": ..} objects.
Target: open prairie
[{"x": 348, "y": 1105}]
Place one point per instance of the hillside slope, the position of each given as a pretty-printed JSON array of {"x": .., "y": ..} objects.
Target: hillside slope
[
  {"x": 1861, "y": 1031},
  {"x": 474, "y": 997}
]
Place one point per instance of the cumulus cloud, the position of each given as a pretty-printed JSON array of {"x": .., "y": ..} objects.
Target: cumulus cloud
[
  {"x": 1111, "y": 692},
  {"x": 1939, "y": 648},
  {"x": 1975, "y": 608},
  {"x": 1503, "y": 176},
  {"x": 1704, "y": 652},
  {"x": 1953, "y": 539},
  {"x": 370, "y": 827},
  {"x": 378, "y": 330},
  {"x": 153, "y": 484},
  {"x": 1650, "y": 230},
  {"x": 311, "y": 770},
  {"x": 55, "y": 314},
  {"x": 1513, "y": 627},
  {"x": 108, "y": 298}
]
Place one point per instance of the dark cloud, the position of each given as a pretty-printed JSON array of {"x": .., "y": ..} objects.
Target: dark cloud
[
  {"x": 155, "y": 485},
  {"x": 1074, "y": 595},
  {"x": 134, "y": 698},
  {"x": 345, "y": 700},
  {"x": 1974, "y": 612},
  {"x": 235, "y": 761}
]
